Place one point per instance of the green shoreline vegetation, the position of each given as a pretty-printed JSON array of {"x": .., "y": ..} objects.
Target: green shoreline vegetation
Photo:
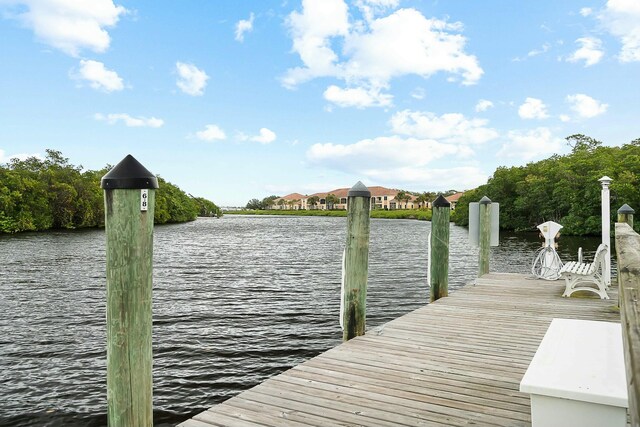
[
  {"x": 38, "y": 195},
  {"x": 46, "y": 194},
  {"x": 420, "y": 214},
  {"x": 564, "y": 189}
]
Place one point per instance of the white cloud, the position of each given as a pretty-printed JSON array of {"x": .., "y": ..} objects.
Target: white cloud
[
  {"x": 357, "y": 97},
  {"x": 406, "y": 42},
  {"x": 418, "y": 93},
  {"x": 130, "y": 121},
  {"x": 381, "y": 4},
  {"x": 532, "y": 144},
  {"x": 69, "y": 25},
  {"x": 372, "y": 8},
  {"x": 419, "y": 139},
  {"x": 461, "y": 178},
  {"x": 98, "y": 76},
  {"x": 376, "y": 51},
  {"x": 483, "y": 105},
  {"x": 311, "y": 31},
  {"x": 191, "y": 79},
  {"x": 451, "y": 128},
  {"x": 535, "y": 52},
  {"x": 586, "y": 11},
  {"x": 381, "y": 153},
  {"x": 622, "y": 19},
  {"x": 590, "y": 51},
  {"x": 533, "y": 108},
  {"x": 564, "y": 118},
  {"x": 398, "y": 160},
  {"x": 585, "y": 106},
  {"x": 20, "y": 156},
  {"x": 211, "y": 133},
  {"x": 244, "y": 26},
  {"x": 266, "y": 136}
]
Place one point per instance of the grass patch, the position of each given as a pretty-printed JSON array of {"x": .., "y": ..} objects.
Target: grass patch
[{"x": 421, "y": 214}]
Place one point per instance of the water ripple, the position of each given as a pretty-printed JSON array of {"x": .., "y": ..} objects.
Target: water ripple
[{"x": 235, "y": 301}]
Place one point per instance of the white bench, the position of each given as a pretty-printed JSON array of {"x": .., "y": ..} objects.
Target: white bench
[
  {"x": 577, "y": 376},
  {"x": 580, "y": 276}
]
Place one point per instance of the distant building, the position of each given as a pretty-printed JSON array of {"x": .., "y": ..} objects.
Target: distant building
[
  {"x": 381, "y": 198},
  {"x": 453, "y": 199},
  {"x": 293, "y": 201}
]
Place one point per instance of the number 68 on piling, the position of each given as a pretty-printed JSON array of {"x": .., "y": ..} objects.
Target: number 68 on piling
[{"x": 144, "y": 200}]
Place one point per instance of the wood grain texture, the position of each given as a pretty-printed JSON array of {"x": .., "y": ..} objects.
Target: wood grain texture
[
  {"x": 129, "y": 252},
  {"x": 455, "y": 362},
  {"x": 356, "y": 267},
  {"x": 484, "y": 241},
  {"x": 628, "y": 252},
  {"x": 439, "y": 265}
]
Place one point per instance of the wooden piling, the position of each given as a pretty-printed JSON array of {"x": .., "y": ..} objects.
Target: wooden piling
[
  {"x": 439, "y": 263},
  {"x": 628, "y": 254},
  {"x": 129, "y": 194},
  {"x": 485, "y": 236},
  {"x": 356, "y": 262},
  {"x": 625, "y": 214}
]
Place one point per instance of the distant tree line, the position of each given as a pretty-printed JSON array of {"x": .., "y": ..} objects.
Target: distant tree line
[
  {"x": 40, "y": 194},
  {"x": 564, "y": 189},
  {"x": 260, "y": 205}
]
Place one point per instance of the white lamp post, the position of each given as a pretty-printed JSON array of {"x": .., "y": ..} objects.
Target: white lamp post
[{"x": 606, "y": 227}]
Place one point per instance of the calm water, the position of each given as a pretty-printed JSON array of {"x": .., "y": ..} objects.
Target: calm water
[{"x": 236, "y": 300}]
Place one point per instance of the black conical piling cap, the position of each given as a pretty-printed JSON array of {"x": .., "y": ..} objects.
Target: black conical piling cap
[
  {"x": 485, "y": 201},
  {"x": 359, "y": 190},
  {"x": 441, "y": 202},
  {"x": 626, "y": 209},
  {"x": 129, "y": 174}
]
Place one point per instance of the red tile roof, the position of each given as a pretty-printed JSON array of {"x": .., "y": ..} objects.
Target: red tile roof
[
  {"x": 454, "y": 197},
  {"x": 382, "y": 191},
  {"x": 339, "y": 192},
  {"x": 294, "y": 196}
]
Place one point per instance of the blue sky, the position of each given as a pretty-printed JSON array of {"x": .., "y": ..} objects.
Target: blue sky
[{"x": 233, "y": 100}]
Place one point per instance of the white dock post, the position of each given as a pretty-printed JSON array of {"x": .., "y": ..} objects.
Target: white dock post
[{"x": 606, "y": 227}]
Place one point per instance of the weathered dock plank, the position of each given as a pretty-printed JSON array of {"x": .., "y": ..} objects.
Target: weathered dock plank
[{"x": 457, "y": 361}]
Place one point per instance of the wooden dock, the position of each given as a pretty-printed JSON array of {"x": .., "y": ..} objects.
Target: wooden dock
[{"x": 455, "y": 362}]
